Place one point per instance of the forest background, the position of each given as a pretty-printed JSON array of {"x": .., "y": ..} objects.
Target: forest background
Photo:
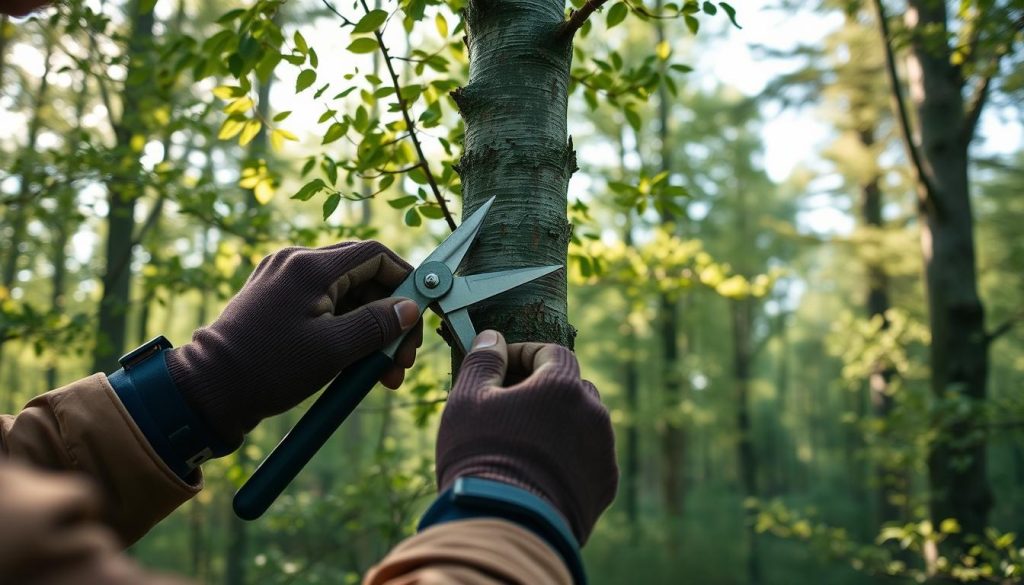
[{"x": 747, "y": 272}]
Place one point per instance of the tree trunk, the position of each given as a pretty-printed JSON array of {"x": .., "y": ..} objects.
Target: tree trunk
[
  {"x": 6, "y": 29},
  {"x": 514, "y": 108},
  {"x": 742, "y": 361},
  {"x": 959, "y": 348},
  {"x": 891, "y": 482},
  {"x": 123, "y": 190},
  {"x": 743, "y": 356},
  {"x": 17, "y": 211}
]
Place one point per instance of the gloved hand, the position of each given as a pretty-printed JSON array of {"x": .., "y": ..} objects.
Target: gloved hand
[
  {"x": 522, "y": 415},
  {"x": 303, "y": 316}
]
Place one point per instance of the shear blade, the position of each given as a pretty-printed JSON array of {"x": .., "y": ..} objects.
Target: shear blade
[
  {"x": 467, "y": 290},
  {"x": 454, "y": 248}
]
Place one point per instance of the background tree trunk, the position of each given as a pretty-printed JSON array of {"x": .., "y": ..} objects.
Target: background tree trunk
[
  {"x": 123, "y": 190},
  {"x": 514, "y": 108},
  {"x": 742, "y": 313},
  {"x": 17, "y": 212},
  {"x": 959, "y": 348}
]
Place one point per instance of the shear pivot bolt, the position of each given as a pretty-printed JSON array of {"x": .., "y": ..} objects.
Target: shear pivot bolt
[{"x": 431, "y": 280}]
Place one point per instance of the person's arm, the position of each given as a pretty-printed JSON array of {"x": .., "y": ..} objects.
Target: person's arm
[
  {"x": 303, "y": 315},
  {"x": 84, "y": 428},
  {"x": 51, "y": 533},
  {"x": 525, "y": 464}
]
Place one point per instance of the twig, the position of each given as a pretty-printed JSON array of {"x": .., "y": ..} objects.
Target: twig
[
  {"x": 978, "y": 99},
  {"x": 382, "y": 172},
  {"x": 391, "y": 407},
  {"x": 1004, "y": 328},
  {"x": 578, "y": 17},
  {"x": 345, "y": 21},
  {"x": 411, "y": 126},
  {"x": 900, "y": 106}
]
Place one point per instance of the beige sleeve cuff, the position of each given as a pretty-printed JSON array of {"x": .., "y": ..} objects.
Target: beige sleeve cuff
[
  {"x": 471, "y": 552},
  {"x": 84, "y": 427}
]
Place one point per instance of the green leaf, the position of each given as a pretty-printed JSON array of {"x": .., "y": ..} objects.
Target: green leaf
[
  {"x": 413, "y": 219},
  {"x": 730, "y": 12},
  {"x": 330, "y": 204},
  {"x": 692, "y": 23},
  {"x": 309, "y": 190},
  {"x": 633, "y": 118},
  {"x": 310, "y": 163},
  {"x": 331, "y": 170},
  {"x": 326, "y": 116},
  {"x": 300, "y": 43},
  {"x": 709, "y": 8},
  {"x": 335, "y": 132},
  {"x": 371, "y": 21},
  {"x": 402, "y": 202},
  {"x": 306, "y": 78},
  {"x": 680, "y": 68},
  {"x": 431, "y": 211},
  {"x": 616, "y": 14},
  {"x": 442, "y": 25},
  {"x": 230, "y": 15},
  {"x": 280, "y": 117},
  {"x": 364, "y": 45}
]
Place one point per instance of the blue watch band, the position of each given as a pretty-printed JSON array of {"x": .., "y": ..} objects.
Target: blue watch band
[
  {"x": 151, "y": 397},
  {"x": 475, "y": 497}
]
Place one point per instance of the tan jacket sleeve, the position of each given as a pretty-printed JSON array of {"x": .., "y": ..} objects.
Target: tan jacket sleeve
[
  {"x": 51, "y": 534},
  {"x": 83, "y": 427},
  {"x": 471, "y": 552}
]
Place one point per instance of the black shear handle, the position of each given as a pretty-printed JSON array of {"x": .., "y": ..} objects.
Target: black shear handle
[{"x": 311, "y": 432}]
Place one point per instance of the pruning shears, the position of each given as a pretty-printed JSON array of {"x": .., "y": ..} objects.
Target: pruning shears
[{"x": 434, "y": 285}]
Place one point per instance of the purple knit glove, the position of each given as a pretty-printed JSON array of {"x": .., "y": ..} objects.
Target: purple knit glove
[
  {"x": 522, "y": 415},
  {"x": 303, "y": 315}
]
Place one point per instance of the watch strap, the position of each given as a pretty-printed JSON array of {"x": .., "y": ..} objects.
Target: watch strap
[
  {"x": 475, "y": 497},
  {"x": 150, "y": 396}
]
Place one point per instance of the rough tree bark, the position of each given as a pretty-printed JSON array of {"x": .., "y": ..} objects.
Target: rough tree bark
[{"x": 516, "y": 150}]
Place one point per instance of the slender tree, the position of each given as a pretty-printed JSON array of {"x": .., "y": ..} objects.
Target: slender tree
[
  {"x": 123, "y": 189},
  {"x": 945, "y": 63}
]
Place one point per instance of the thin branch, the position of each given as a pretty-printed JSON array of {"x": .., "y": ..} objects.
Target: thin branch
[
  {"x": 1004, "y": 328},
  {"x": 977, "y": 103},
  {"x": 983, "y": 88},
  {"x": 345, "y": 21},
  {"x": 900, "y": 104},
  {"x": 404, "y": 106},
  {"x": 577, "y": 18},
  {"x": 391, "y": 407},
  {"x": 382, "y": 172}
]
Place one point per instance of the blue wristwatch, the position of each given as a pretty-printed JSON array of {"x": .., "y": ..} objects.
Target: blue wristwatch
[
  {"x": 149, "y": 394},
  {"x": 475, "y": 497}
]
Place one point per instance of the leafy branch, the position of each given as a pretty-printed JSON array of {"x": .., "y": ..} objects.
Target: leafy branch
[{"x": 403, "y": 106}]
